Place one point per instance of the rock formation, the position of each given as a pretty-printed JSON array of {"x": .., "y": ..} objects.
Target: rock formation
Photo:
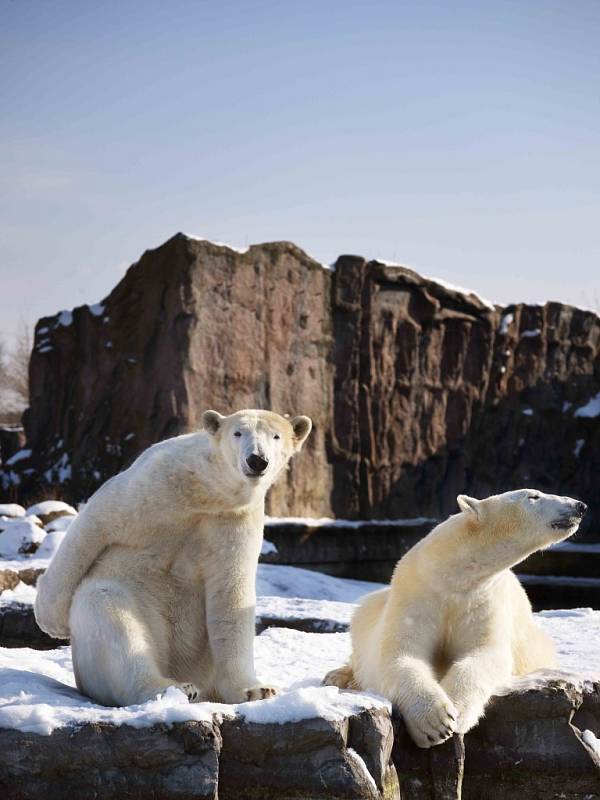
[{"x": 418, "y": 390}]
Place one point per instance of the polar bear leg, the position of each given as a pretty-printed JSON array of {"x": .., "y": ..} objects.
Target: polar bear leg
[
  {"x": 114, "y": 649},
  {"x": 428, "y": 712}
]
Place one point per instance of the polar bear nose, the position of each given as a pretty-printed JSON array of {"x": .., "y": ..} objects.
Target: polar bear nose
[
  {"x": 581, "y": 508},
  {"x": 257, "y": 463}
]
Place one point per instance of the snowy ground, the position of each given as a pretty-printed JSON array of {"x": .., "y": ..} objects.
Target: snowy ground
[
  {"x": 37, "y": 691},
  {"x": 37, "y": 687}
]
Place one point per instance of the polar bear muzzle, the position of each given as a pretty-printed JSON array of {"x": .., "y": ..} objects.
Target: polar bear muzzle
[
  {"x": 572, "y": 516},
  {"x": 257, "y": 464}
]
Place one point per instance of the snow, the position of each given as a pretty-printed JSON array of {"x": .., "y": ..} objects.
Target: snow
[
  {"x": 590, "y": 739},
  {"x": 331, "y": 614},
  {"x": 590, "y": 409},
  {"x": 573, "y": 547},
  {"x": 50, "y": 543},
  {"x": 241, "y": 250},
  {"x": 578, "y": 446},
  {"x": 37, "y": 694},
  {"x": 447, "y": 285},
  {"x": 18, "y": 535},
  {"x": 20, "y": 455},
  {"x": 505, "y": 323},
  {"x": 319, "y": 522},
  {"x": 560, "y": 580},
  {"x": 11, "y": 510},
  {"x": 282, "y": 581},
  {"x": 65, "y": 318},
  {"x": 51, "y": 507},
  {"x": 22, "y": 593},
  {"x": 527, "y": 411},
  {"x": 97, "y": 309},
  {"x": 530, "y": 334},
  {"x": 267, "y": 548},
  {"x": 59, "y": 524}
]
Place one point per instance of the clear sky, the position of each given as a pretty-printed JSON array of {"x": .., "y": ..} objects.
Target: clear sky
[{"x": 460, "y": 138}]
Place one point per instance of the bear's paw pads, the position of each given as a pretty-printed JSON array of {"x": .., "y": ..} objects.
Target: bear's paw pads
[
  {"x": 261, "y": 692},
  {"x": 342, "y": 677},
  {"x": 436, "y": 725},
  {"x": 192, "y": 692}
]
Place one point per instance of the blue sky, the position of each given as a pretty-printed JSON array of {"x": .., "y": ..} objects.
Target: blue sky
[{"x": 460, "y": 138}]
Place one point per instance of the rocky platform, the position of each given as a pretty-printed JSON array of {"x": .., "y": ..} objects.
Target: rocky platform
[{"x": 539, "y": 741}]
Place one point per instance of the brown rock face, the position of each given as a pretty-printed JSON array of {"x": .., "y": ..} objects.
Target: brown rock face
[
  {"x": 191, "y": 326},
  {"x": 437, "y": 393},
  {"x": 418, "y": 391}
]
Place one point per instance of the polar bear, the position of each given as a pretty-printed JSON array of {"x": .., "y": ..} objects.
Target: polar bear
[
  {"x": 455, "y": 623},
  {"x": 155, "y": 579}
]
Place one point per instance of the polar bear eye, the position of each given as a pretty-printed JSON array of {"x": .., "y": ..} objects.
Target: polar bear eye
[
  {"x": 237, "y": 433},
  {"x": 533, "y": 497},
  {"x": 277, "y": 436}
]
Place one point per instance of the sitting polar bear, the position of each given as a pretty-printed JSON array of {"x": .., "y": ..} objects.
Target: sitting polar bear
[
  {"x": 455, "y": 623},
  {"x": 155, "y": 580}
]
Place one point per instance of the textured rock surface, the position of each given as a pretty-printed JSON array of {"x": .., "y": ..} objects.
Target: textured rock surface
[
  {"x": 229, "y": 759},
  {"x": 436, "y": 393},
  {"x": 191, "y": 326},
  {"x": 530, "y": 745},
  {"x": 418, "y": 391},
  {"x": 368, "y": 552}
]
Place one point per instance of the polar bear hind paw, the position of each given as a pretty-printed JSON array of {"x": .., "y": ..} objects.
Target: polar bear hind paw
[
  {"x": 260, "y": 693},
  {"x": 343, "y": 678}
]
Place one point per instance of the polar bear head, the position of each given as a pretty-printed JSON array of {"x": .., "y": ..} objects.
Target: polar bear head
[
  {"x": 515, "y": 524},
  {"x": 256, "y": 445}
]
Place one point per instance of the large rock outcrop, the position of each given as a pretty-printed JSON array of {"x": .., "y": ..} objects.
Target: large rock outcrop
[{"x": 418, "y": 390}]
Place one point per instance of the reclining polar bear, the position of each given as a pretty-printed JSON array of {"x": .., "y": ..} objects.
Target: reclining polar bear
[
  {"x": 155, "y": 580},
  {"x": 455, "y": 623}
]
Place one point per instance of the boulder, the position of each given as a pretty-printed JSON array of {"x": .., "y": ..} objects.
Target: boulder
[
  {"x": 111, "y": 762},
  {"x": 49, "y": 510}
]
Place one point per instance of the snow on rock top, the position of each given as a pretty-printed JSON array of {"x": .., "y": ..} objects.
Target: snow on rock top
[
  {"x": 97, "y": 309},
  {"x": 283, "y": 581},
  {"x": 37, "y": 691},
  {"x": 65, "y": 318},
  {"x": 461, "y": 290},
  {"x": 590, "y": 409},
  {"x": 329, "y": 522},
  {"x": 240, "y": 250},
  {"x": 11, "y": 510},
  {"x": 51, "y": 507},
  {"x": 19, "y": 536},
  {"x": 20, "y": 455}
]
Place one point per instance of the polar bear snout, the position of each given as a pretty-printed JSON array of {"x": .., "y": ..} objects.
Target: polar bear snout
[
  {"x": 571, "y": 516},
  {"x": 257, "y": 463}
]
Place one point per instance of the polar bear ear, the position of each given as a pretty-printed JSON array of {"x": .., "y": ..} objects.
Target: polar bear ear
[
  {"x": 469, "y": 505},
  {"x": 301, "y": 426},
  {"x": 212, "y": 421}
]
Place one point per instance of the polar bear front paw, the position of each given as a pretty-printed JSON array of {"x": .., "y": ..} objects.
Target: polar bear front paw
[
  {"x": 192, "y": 692},
  {"x": 432, "y": 723},
  {"x": 260, "y": 692}
]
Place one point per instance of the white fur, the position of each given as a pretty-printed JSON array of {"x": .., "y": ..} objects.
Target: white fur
[
  {"x": 155, "y": 579},
  {"x": 455, "y": 623}
]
